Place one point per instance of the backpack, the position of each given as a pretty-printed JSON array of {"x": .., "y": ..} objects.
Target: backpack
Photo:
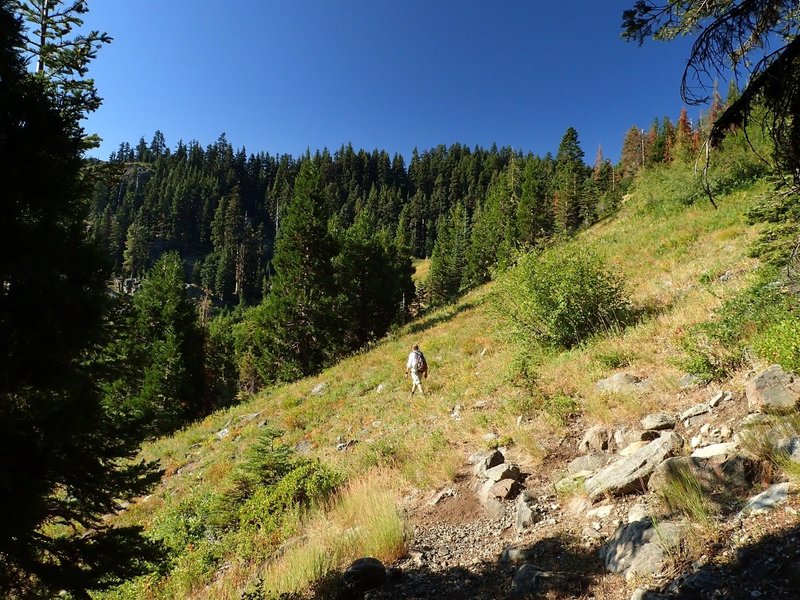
[{"x": 420, "y": 365}]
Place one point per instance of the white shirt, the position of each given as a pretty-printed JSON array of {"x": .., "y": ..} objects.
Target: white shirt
[{"x": 412, "y": 361}]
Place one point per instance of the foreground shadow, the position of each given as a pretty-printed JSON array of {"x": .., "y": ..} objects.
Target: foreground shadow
[{"x": 768, "y": 568}]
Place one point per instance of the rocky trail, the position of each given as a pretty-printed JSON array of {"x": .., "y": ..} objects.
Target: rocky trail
[{"x": 589, "y": 522}]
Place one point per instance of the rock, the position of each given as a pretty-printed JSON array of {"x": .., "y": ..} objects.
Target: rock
[
  {"x": 319, "y": 389},
  {"x": 503, "y": 471},
  {"x": 766, "y": 500},
  {"x": 631, "y": 448},
  {"x": 723, "y": 449},
  {"x": 488, "y": 462},
  {"x": 601, "y": 512},
  {"x": 302, "y": 447},
  {"x": 480, "y": 405},
  {"x": 505, "y": 489},
  {"x": 637, "y": 512},
  {"x": 490, "y": 437},
  {"x": 364, "y": 574},
  {"x": 789, "y": 447},
  {"x": 754, "y": 420},
  {"x": 624, "y": 437},
  {"x": 441, "y": 496},
  {"x": 527, "y": 580},
  {"x": 688, "y": 416},
  {"x": 631, "y": 473},
  {"x": 720, "y": 397},
  {"x": 572, "y": 483},
  {"x": 773, "y": 390},
  {"x": 223, "y": 433},
  {"x": 526, "y": 512},
  {"x": 689, "y": 381},
  {"x": 718, "y": 475},
  {"x": 596, "y": 439},
  {"x": 658, "y": 422},
  {"x": 640, "y": 548},
  {"x": 620, "y": 382},
  {"x": 456, "y": 414},
  {"x": 381, "y": 388},
  {"x": 517, "y": 555},
  {"x": 588, "y": 462}
]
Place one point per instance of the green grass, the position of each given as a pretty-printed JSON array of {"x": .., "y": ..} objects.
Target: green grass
[{"x": 662, "y": 252}]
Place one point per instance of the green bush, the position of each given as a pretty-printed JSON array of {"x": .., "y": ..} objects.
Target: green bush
[
  {"x": 780, "y": 343},
  {"x": 560, "y": 299},
  {"x": 760, "y": 316}
]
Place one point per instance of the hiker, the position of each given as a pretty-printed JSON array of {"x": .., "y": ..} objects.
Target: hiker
[{"x": 417, "y": 366}]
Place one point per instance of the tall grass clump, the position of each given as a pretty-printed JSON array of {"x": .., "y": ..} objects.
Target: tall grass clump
[
  {"x": 683, "y": 494},
  {"x": 561, "y": 298}
]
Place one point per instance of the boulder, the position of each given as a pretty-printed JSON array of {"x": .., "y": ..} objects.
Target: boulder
[
  {"x": 596, "y": 439},
  {"x": 773, "y": 390},
  {"x": 364, "y": 574},
  {"x": 767, "y": 500},
  {"x": 630, "y": 474},
  {"x": 620, "y": 383},
  {"x": 658, "y": 422},
  {"x": 528, "y": 581},
  {"x": 526, "y": 511},
  {"x": 640, "y": 548},
  {"x": 624, "y": 436},
  {"x": 319, "y": 389},
  {"x": 485, "y": 462},
  {"x": 722, "y": 449},
  {"x": 631, "y": 448},
  {"x": 589, "y": 462},
  {"x": 721, "y": 475},
  {"x": 503, "y": 471},
  {"x": 505, "y": 489},
  {"x": 691, "y": 415}
]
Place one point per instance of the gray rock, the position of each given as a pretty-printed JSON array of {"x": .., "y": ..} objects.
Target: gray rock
[
  {"x": 724, "y": 475},
  {"x": 754, "y": 420},
  {"x": 773, "y": 390},
  {"x": 637, "y": 512},
  {"x": 526, "y": 512},
  {"x": 688, "y": 415},
  {"x": 596, "y": 439},
  {"x": 490, "y": 437},
  {"x": 640, "y": 548},
  {"x": 767, "y": 500},
  {"x": 319, "y": 389},
  {"x": 488, "y": 462},
  {"x": 381, "y": 388},
  {"x": 689, "y": 381},
  {"x": 719, "y": 398},
  {"x": 632, "y": 448},
  {"x": 601, "y": 512},
  {"x": 625, "y": 437},
  {"x": 630, "y": 474},
  {"x": 588, "y": 462},
  {"x": 302, "y": 447},
  {"x": 364, "y": 574},
  {"x": 620, "y": 382},
  {"x": 503, "y": 471},
  {"x": 528, "y": 580},
  {"x": 789, "y": 447},
  {"x": 723, "y": 449},
  {"x": 658, "y": 422},
  {"x": 505, "y": 489}
]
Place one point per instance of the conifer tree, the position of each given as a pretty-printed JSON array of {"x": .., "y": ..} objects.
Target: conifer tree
[
  {"x": 63, "y": 462},
  {"x": 570, "y": 174}
]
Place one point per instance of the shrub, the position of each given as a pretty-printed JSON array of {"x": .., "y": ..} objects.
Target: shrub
[
  {"x": 561, "y": 299},
  {"x": 761, "y": 315}
]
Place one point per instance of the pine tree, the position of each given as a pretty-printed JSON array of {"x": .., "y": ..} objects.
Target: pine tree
[
  {"x": 64, "y": 464},
  {"x": 570, "y": 174}
]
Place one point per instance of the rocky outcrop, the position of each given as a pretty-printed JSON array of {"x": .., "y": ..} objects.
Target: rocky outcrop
[
  {"x": 630, "y": 474},
  {"x": 621, "y": 383}
]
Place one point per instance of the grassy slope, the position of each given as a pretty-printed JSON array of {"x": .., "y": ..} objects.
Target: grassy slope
[{"x": 665, "y": 254}]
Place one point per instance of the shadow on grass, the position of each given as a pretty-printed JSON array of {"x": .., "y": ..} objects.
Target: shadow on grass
[{"x": 440, "y": 316}]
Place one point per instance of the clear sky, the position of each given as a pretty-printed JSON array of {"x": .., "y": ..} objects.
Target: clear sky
[{"x": 283, "y": 76}]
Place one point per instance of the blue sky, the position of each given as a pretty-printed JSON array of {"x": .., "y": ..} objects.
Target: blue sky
[{"x": 285, "y": 76}]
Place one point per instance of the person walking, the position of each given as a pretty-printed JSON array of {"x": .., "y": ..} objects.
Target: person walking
[{"x": 417, "y": 366}]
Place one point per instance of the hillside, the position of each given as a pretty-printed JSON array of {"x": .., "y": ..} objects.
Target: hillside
[{"x": 680, "y": 263}]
